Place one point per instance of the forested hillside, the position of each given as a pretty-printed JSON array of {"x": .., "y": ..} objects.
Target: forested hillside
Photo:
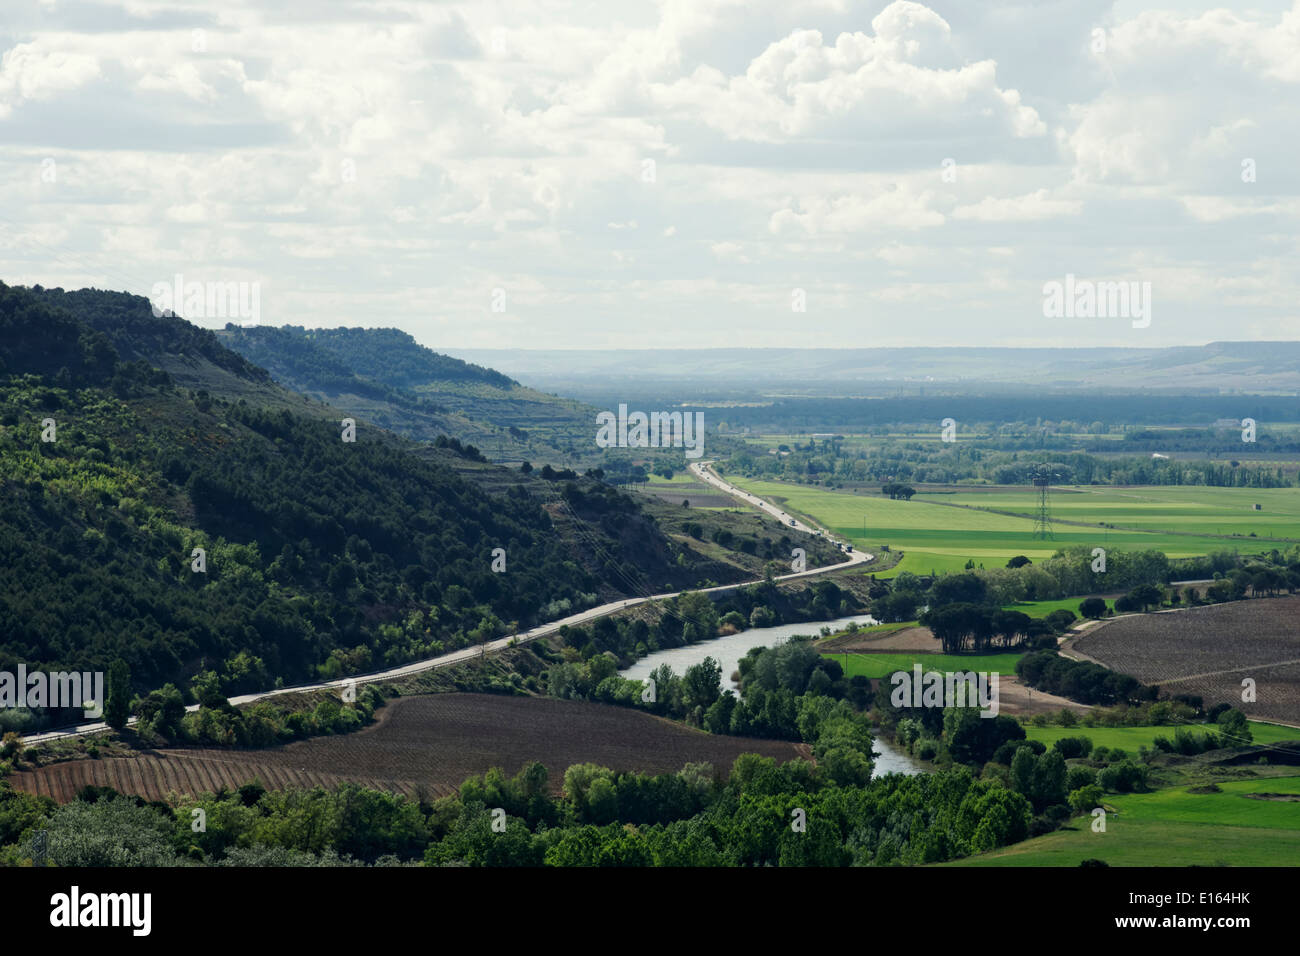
[
  {"x": 388, "y": 377},
  {"x": 323, "y": 557},
  {"x": 190, "y": 354},
  {"x": 386, "y": 355}
]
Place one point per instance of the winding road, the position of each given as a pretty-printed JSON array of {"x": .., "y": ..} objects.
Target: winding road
[{"x": 700, "y": 469}]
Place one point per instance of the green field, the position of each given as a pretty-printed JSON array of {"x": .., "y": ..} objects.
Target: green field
[
  {"x": 882, "y": 665},
  {"x": 681, "y": 479},
  {"x": 937, "y": 535},
  {"x": 1130, "y": 738},
  {"x": 923, "y": 562},
  {"x": 1044, "y": 608},
  {"x": 1211, "y": 511},
  {"x": 1173, "y": 827}
]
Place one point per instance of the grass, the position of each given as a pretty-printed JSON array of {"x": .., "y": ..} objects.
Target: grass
[
  {"x": 1162, "y": 508},
  {"x": 934, "y": 535},
  {"x": 1172, "y": 827},
  {"x": 1044, "y": 608},
  {"x": 1130, "y": 738},
  {"x": 680, "y": 478},
  {"x": 882, "y": 665},
  {"x": 922, "y": 562}
]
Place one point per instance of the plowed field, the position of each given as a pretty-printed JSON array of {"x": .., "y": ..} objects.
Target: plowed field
[
  {"x": 1209, "y": 651},
  {"x": 423, "y": 745}
]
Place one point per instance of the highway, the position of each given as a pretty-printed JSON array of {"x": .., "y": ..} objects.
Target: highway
[{"x": 700, "y": 469}]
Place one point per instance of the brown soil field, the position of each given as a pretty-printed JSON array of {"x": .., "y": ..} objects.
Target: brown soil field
[
  {"x": 1018, "y": 700},
  {"x": 908, "y": 639},
  {"x": 1209, "y": 650},
  {"x": 699, "y": 496},
  {"x": 421, "y": 746}
]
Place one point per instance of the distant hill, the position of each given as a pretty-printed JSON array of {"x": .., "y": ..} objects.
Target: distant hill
[
  {"x": 1254, "y": 367},
  {"x": 389, "y": 378},
  {"x": 350, "y": 356}
]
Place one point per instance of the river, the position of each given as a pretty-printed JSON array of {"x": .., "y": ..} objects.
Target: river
[{"x": 728, "y": 651}]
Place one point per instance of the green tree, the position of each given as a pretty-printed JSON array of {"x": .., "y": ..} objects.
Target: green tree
[
  {"x": 701, "y": 685},
  {"x": 700, "y": 616},
  {"x": 1086, "y": 798},
  {"x": 1049, "y": 780},
  {"x": 1145, "y": 595},
  {"x": 1093, "y": 608},
  {"x": 117, "y": 708},
  {"x": 1022, "y": 771}
]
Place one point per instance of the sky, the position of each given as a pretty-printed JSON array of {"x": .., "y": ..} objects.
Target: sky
[{"x": 668, "y": 173}]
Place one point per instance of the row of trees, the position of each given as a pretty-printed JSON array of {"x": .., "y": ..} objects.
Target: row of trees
[{"x": 792, "y": 814}]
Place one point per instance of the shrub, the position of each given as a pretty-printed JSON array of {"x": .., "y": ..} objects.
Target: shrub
[
  {"x": 1093, "y": 608},
  {"x": 1086, "y": 798},
  {"x": 1077, "y": 777},
  {"x": 1007, "y": 751},
  {"x": 1073, "y": 746},
  {"x": 1124, "y": 777},
  {"x": 1061, "y": 618}
]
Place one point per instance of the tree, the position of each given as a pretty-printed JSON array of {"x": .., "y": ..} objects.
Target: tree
[
  {"x": 1019, "y": 561},
  {"x": 1022, "y": 771},
  {"x": 1093, "y": 608},
  {"x": 1086, "y": 798},
  {"x": 162, "y": 711},
  {"x": 1061, "y": 618},
  {"x": 958, "y": 588},
  {"x": 1145, "y": 595},
  {"x": 1011, "y": 624},
  {"x": 1236, "y": 729},
  {"x": 117, "y": 708},
  {"x": 701, "y": 684},
  {"x": 1049, "y": 780},
  {"x": 700, "y": 616},
  {"x": 956, "y": 624}
]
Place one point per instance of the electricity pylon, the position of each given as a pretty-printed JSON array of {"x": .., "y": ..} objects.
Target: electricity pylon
[{"x": 1043, "y": 476}]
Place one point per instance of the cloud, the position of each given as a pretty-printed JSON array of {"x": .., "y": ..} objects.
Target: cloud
[
  {"x": 31, "y": 71},
  {"x": 392, "y": 164},
  {"x": 1031, "y": 206}
]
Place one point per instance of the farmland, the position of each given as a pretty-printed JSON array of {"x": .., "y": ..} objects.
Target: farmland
[
  {"x": 419, "y": 745},
  {"x": 682, "y": 486},
  {"x": 884, "y": 664},
  {"x": 942, "y": 532},
  {"x": 1131, "y": 738},
  {"x": 1209, "y": 651},
  {"x": 1044, "y": 608},
  {"x": 1185, "y": 510},
  {"x": 1245, "y": 823}
]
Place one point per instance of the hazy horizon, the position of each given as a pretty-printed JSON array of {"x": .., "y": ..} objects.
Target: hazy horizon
[{"x": 818, "y": 173}]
